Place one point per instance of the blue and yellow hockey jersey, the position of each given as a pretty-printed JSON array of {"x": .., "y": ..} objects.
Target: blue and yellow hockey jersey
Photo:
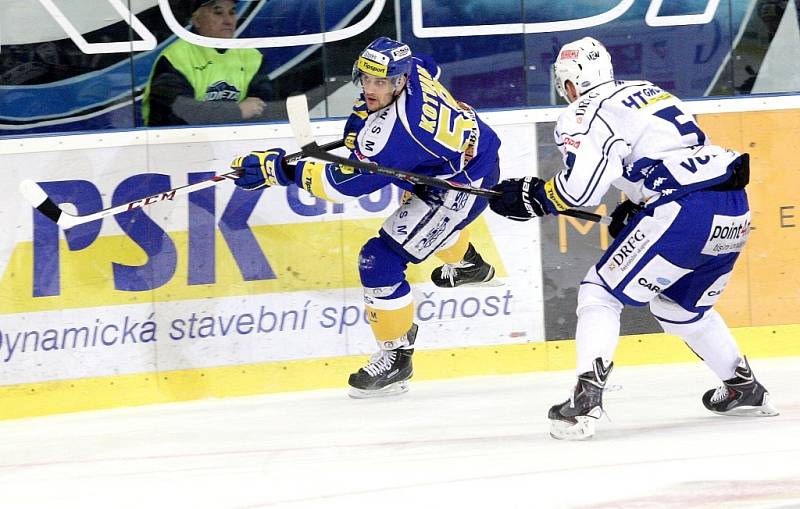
[{"x": 425, "y": 130}]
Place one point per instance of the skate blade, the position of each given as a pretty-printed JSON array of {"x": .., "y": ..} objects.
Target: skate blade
[
  {"x": 394, "y": 389},
  {"x": 490, "y": 283},
  {"x": 493, "y": 281},
  {"x": 582, "y": 430},
  {"x": 765, "y": 410}
]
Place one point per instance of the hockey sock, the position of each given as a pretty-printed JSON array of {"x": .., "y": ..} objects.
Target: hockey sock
[
  {"x": 710, "y": 338},
  {"x": 456, "y": 247},
  {"x": 390, "y": 319},
  {"x": 596, "y": 335}
]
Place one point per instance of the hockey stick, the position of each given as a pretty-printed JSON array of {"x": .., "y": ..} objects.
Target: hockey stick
[
  {"x": 35, "y": 195},
  {"x": 297, "y": 108}
]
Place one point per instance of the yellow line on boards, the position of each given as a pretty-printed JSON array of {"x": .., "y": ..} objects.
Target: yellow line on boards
[{"x": 28, "y": 400}]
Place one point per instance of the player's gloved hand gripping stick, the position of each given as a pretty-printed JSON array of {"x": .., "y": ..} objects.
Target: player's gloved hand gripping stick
[
  {"x": 297, "y": 108},
  {"x": 36, "y": 196}
]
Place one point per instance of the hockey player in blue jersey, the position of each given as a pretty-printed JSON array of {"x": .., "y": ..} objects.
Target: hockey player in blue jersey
[
  {"x": 676, "y": 238},
  {"x": 405, "y": 118}
]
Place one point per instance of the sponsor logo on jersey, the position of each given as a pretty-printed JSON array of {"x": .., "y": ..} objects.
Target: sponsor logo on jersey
[
  {"x": 569, "y": 54},
  {"x": 428, "y": 240},
  {"x": 572, "y": 142},
  {"x": 222, "y": 91},
  {"x": 583, "y": 104},
  {"x": 459, "y": 201},
  {"x": 728, "y": 234},
  {"x": 626, "y": 253},
  {"x": 656, "y": 287},
  {"x": 646, "y": 97},
  {"x": 653, "y": 278},
  {"x": 376, "y": 131},
  {"x": 650, "y": 286},
  {"x": 711, "y": 294}
]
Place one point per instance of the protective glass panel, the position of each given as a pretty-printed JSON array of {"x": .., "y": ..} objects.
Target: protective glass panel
[{"x": 69, "y": 65}]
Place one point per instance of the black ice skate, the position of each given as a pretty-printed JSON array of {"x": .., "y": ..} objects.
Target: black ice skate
[
  {"x": 387, "y": 372},
  {"x": 740, "y": 395},
  {"x": 471, "y": 271},
  {"x": 575, "y": 418}
]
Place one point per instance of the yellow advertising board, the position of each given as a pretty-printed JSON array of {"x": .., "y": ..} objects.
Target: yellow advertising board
[{"x": 765, "y": 287}]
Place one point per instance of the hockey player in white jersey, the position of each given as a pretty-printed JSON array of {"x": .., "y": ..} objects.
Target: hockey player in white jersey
[
  {"x": 405, "y": 118},
  {"x": 676, "y": 238}
]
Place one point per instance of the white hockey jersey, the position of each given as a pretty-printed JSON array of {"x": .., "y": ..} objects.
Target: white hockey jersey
[{"x": 637, "y": 137}]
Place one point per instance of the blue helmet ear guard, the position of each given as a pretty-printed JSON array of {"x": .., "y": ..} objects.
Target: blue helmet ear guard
[{"x": 383, "y": 58}]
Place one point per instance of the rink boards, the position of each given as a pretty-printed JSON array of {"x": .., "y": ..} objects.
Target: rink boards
[{"x": 228, "y": 292}]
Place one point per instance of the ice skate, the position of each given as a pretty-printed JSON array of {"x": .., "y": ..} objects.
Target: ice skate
[
  {"x": 575, "y": 418},
  {"x": 387, "y": 372},
  {"x": 471, "y": 271},
  {"x": 740, "y": 395}
]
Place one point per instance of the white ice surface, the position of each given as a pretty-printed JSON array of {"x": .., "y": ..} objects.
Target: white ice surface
[{"x": 477, "y": 442}]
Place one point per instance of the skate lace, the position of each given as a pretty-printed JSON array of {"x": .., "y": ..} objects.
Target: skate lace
[
  {"x": 380, "y": 362},
  {"x": 450, "y": 270},
  {"x": 603, "y": 412},
  {"x": 720, "y": 394}
]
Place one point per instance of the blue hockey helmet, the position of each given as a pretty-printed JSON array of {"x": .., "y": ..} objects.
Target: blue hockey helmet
[{"x": 383, "y": 58}]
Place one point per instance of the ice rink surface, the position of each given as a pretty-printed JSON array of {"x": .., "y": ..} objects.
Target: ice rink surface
[{"x": 477, "y": 442}]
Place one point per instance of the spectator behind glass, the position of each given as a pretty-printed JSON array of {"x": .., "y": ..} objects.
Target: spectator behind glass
[{"x": 195, "y": 85}]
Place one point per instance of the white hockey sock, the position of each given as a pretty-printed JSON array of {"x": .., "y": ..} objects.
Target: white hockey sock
[
  {"x": 711, "y": 339},
  {"x": 596, "y": 335}
]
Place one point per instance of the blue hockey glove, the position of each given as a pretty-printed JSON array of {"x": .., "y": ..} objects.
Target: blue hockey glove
[
  {"x": 522, "y": 199},
  {"x": 621, "y": 216},
  {"x": 262, "y": 169}
]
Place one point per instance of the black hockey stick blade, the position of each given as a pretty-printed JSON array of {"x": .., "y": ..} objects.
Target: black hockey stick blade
[
  {"x": 297, "y": 108},
  {"x": 35, "y": 195}
]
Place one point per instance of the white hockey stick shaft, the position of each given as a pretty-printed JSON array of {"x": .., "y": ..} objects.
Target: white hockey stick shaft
[
  {"x": 297, "y": 108},
  {"x": 35, "y": 195}
]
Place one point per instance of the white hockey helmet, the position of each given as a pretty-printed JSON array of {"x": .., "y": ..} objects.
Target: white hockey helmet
[{"x": 585, "y": 62}]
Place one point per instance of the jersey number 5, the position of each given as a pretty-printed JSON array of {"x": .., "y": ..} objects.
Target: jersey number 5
[
  {"x": 452, "y": 127},
  {"x": 671, "y": 114}
]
